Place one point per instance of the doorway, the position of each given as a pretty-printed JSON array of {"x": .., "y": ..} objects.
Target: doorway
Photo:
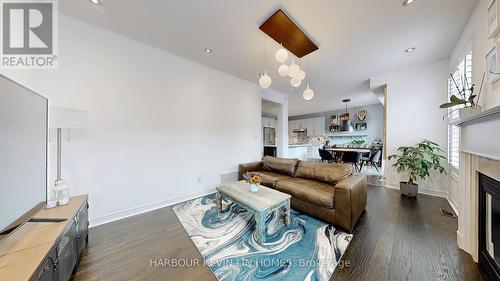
[{"x": 272, "y": 128}]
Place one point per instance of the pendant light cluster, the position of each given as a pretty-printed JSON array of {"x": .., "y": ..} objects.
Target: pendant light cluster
[{"x": 291, "y": 71}]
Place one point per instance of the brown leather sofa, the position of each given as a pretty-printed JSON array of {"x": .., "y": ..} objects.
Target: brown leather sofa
[{"x": 329, "y": 192}]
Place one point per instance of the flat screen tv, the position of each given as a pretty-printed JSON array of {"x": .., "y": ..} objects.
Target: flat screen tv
[{"x": 23, "y": 154}]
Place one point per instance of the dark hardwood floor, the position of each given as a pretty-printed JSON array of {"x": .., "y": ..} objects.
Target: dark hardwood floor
[{"x": 397, "y": 238}]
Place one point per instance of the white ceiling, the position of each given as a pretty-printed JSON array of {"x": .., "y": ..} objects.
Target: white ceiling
[{"x": 357, "y": 38}]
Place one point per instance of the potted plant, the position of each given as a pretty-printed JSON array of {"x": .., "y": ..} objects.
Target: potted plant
[
  {"x": 466, "y": 99},
  {"x": 254, "y": 180},
  {"x": 417, "y": 161},
  {"x": 358, "y": 143}
]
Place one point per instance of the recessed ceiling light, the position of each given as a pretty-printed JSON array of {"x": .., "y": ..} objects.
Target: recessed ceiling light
[
  {"x": 208, "y": 51},
  {"x": 96, "y": 2},
  {"x": 407, "y": 2},
  {"x": 410, "y": 50}
]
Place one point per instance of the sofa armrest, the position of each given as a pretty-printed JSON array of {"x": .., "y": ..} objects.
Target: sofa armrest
[
  {"x": 249, "y": 167},
  {"x": 350, "y": 200}
]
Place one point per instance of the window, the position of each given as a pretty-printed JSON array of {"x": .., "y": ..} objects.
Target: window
[{"x": 464, "y": 69}]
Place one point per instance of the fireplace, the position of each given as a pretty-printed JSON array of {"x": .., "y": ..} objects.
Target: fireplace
[{"x": 489, "y": 226}]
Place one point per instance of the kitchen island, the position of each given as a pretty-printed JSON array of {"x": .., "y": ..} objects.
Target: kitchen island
[{"x": 298, "y": 151}]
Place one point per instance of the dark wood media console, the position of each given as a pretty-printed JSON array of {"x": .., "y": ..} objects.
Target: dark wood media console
[{"x": 46, "y": 250}]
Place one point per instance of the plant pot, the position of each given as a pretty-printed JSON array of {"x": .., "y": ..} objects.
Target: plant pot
[
  {"x": 469, "y": 111},
  {"x": 254, "y": 188},
  {"x": 410, "y": 190}
]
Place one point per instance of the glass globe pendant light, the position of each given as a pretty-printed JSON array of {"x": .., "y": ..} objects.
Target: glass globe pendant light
[
  {"x": 308, "y": 93},
  {"x": 301, "y": 75},
  {"x": 265, "y": 80},
  {"x": 293, "y": 70},
  {"x": 281, "y": 55},
  {"x": 295, "y": 82},
  {"x": 283, "y": 70}
]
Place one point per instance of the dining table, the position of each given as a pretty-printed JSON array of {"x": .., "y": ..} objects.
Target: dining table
[
  {"x": 348, "y": 149},
  {"x": 338, "y": 150}
]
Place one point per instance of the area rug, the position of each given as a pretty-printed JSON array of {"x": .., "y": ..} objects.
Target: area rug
[{"x": 307, "y": 249}]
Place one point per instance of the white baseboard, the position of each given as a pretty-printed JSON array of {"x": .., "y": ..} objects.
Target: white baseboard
[
  {"x": 460, "y": 239},
  {"x": 426, "y": 191},
  {"x": 145, "y": 208},
  {"x": 453, "y": 204}
]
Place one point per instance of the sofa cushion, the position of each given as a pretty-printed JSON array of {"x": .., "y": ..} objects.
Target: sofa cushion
[
  {"x": 315, "y": 192},
  {"x": 269, "y": 179},
  {"x": 280, "y": 165},
  {"x": 325, "y": 172}
]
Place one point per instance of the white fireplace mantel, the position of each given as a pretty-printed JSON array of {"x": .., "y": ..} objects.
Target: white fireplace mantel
[
  {"x": 479, "y": 152},
  {"x": 480, "y": 134},
  {"x": 490, "y": 114}
]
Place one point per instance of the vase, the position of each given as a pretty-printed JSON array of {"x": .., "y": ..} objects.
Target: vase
[
  {"x": 407, "y": 189},
  {"x": 254, "y": 188},
  {"x": 62, "y": 192}
]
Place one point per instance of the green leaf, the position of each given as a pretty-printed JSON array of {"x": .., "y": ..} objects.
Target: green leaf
[
  {"x": 454, "y": 99},
  {"x": 447, "y": 105}
]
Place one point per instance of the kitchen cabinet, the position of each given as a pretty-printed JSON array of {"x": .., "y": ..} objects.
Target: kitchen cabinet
[
  {"x": 314, "y": 126},
  {"x": 309, "y": 126},
  {"x": 320, "y": 126},
  {"x": 297, "y": 124},
  {"x": 268, "y": 122},
  {"x": 293, "y": 125}
]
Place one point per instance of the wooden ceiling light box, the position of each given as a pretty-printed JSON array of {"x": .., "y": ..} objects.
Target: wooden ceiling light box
[{"x": 282, "y": 29}]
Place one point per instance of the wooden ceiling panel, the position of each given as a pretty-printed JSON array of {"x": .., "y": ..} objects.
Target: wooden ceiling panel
[{"x": 284, "y": 31}]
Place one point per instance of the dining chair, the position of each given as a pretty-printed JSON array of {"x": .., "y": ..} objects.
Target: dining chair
[
  {"x": 353, "y": 158},
  {"x": 373, "y": 160},
  {"x": 325, "y": 155}
]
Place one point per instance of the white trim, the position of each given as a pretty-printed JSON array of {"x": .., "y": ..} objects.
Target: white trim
[
  {"x": 144, "y": 208},
  {"x": 425, "y": 191},
  {"x": 454, "y": 173},
  {"x": 453, "y": 203},
  {"x": 431, "y": 192},
  {"x": 484, "y": 155},
  {"x": 460, "y": 239},
  {"x": 482, "y": 117}
]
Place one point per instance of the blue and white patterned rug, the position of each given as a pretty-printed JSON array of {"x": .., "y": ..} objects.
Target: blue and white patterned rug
[{"x": 307, "y": 249}]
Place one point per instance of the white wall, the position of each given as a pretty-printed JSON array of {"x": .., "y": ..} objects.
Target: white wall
[
  {"x": 161, "y": 128},
  {"x": 413, "y": 114}
]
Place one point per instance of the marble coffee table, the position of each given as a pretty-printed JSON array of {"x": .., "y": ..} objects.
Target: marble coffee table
[{"x": 261, "y": 203}]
